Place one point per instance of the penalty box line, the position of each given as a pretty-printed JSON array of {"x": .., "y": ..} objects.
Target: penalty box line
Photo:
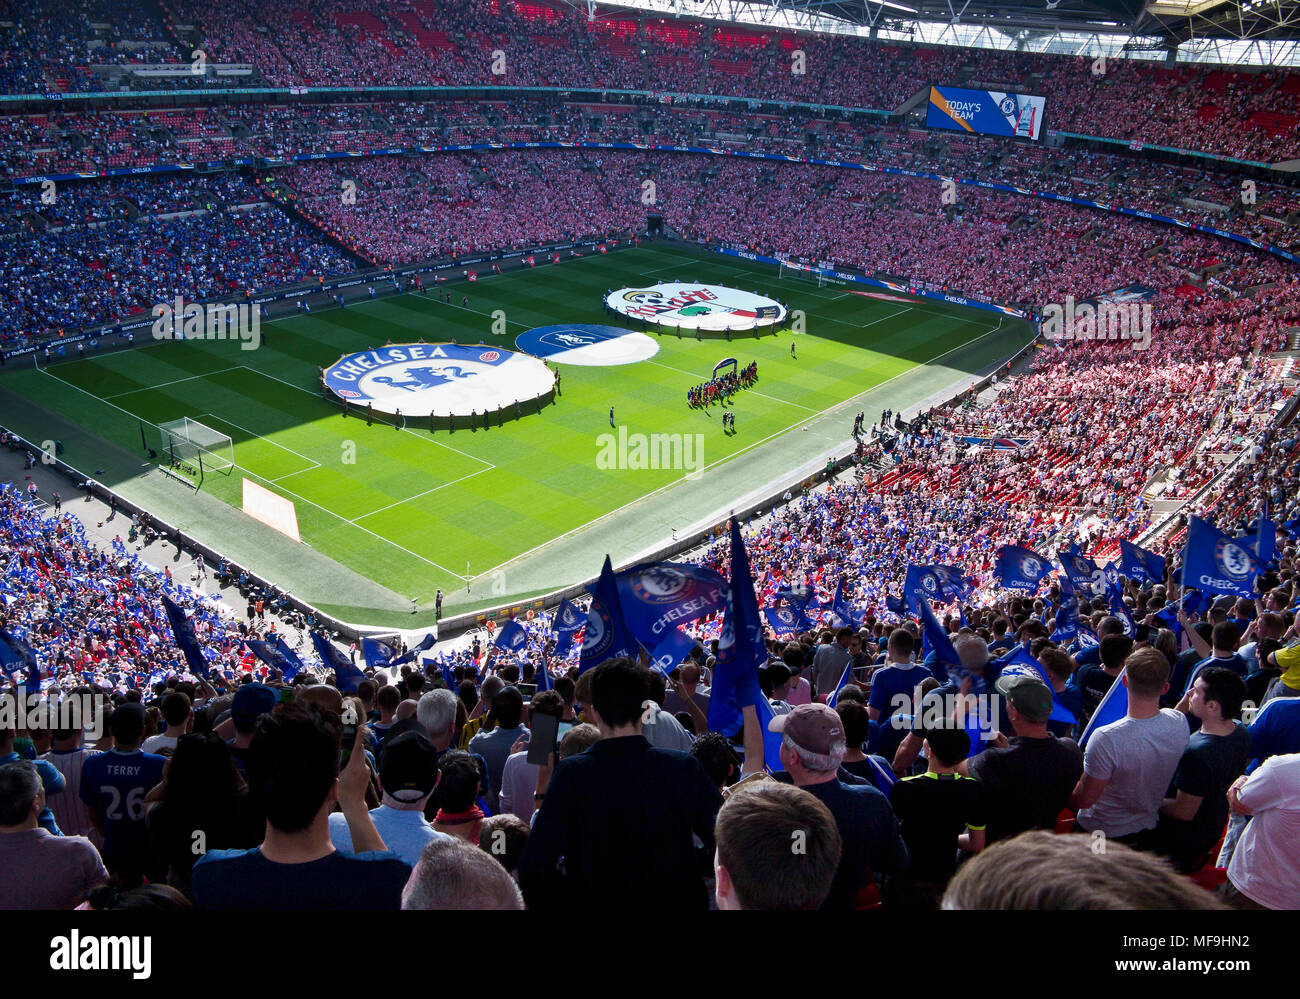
[
  {"x": 261, "y": 437},
  {"x": 405, "y": 430}
]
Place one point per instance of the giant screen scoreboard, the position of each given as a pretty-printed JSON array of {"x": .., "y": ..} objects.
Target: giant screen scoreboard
[{"x": 986, "y": 112}]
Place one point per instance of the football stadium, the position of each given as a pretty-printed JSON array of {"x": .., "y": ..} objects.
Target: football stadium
[{"x": 496, "y": 453}]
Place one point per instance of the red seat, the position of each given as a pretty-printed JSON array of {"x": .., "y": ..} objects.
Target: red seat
[
  {"x": 869, "y": 896},
  {"x": 1065, "y": 821},
  {"x": 1209, "y": 878}
]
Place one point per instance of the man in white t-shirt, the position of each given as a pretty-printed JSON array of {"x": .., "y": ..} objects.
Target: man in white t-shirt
[
  {"x": 68, "y": 753},
  {"x": 1265, "y": 868},
  {"x": 1128, "y": 764},
  {"x": 179, "y": 716}
]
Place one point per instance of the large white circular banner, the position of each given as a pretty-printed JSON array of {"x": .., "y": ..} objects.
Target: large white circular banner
[
  {"x": 691, "y": 306},
  {"x": 438, "y": 379}
]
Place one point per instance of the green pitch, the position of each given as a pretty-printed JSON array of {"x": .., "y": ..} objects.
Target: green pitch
[{"x": 409, "y": 510}]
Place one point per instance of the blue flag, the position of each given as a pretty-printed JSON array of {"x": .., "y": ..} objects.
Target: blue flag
[
  {"x": 1080, "y": 571},
  {"x": 567, "y": 619},
  {"x": 1067, "y": 618},
  {"x": 292, "y": 664},
  {"x": 269, "y": 654},
  {"x": 1265, "y": 535},
  {"x": 740, "y": 647},
  {"x": 1120, "y": 610},
  {"x": 783, "y": 618},
  {"x": 448, "y": 678},
  {"x": 15, "y": 654},
  {"x": 377, "y": 654},
  {"x": 936, "y": 640},
  {"x": 845, "y": 677},
  {"x": 1217, "y": 563},
  {"x": 512, "y": 637},
  {"x": 658, "y": 596},
  {"x": 1140, "y": 565},
  {"x": 607, "y": 635},
  {"x": 1112, "y": 708},
  {"x": 771, "y": 740},
  {"x": 426, "y": 643},
  {"x": 346, "y": 676},
  {"x": 1018, "y": 662},
  {"x": 842, "y": 609},
  {"x": 944, "y": 583},
  {"x": 672, "y": 651},
  {"x": 1020, "y": 569},
  {"x": 800, "y": 595},
  {"x": 186, "y": 640},
  {"x": 1168, "y": 616}
]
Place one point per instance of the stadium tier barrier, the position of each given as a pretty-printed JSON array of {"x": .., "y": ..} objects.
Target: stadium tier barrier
[
  {"x": 43, "y": 103},
  {"x": 273, "y": 162}
]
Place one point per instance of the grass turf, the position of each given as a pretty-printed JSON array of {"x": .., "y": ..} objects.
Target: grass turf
[{"x": 410, "y": 509}]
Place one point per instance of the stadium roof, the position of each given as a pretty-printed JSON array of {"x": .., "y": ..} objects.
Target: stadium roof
[{"x": 1258, "y": 32}]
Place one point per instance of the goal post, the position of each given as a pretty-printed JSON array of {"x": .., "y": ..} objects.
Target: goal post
[
  {"x": 189, "y": 442},
  {"x": 805, "y": 272}
]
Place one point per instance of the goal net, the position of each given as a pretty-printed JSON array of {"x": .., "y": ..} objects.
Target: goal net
[
  {"x": 189, "y": 442},
  {"x": 805, "y": 272}
]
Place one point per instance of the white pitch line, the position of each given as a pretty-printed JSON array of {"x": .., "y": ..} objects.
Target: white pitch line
[
  {"x": 418, "y": 495},
  {"x": 906, "y": 308},
  {"x": 263, "y": 437},
  {"x": 146, "y": 388},
  {"x": 378, "y": 537},
  {"x": 430, "y": 440}
]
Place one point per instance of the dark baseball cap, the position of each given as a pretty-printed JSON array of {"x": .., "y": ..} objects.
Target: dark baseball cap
[
  {"x": 1028, "y": 694},
  {"x": 408, "y": 763},
  {"x": 251, "y": 701},
  {"x": 812, "y": 727}
]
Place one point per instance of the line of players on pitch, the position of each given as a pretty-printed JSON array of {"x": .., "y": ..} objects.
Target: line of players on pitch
[{"x": 722, "y": 388}]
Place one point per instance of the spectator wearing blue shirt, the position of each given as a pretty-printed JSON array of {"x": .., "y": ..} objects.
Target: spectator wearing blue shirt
[
  {"x": 893, "y": 683},
  {"x": 408, "y": 773},
  {"x": 1274, "y": 731},
  {"x": 497, "y": 745},
  {"x": 114, "y": 785},
  {"x": 1108, "y": 625},
  {"x": 1221, "y": 652},
  {"x": 51, "y": 780},
  {"x": 1060, "y": 666}
]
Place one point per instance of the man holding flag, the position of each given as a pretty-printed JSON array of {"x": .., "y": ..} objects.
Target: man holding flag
[{"x": 1129, "y": 762}]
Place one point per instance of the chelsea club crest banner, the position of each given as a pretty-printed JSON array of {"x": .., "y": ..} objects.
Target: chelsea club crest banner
[{"x": 438, "y": 379}]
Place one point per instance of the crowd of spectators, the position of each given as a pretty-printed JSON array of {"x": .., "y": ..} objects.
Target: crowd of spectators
[
  {"x": 70, "y": 275},
  {"x": 1241, "y": 114},
  {"x": 36, "y": 145},
  {"x": 437, "y": 802}
]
